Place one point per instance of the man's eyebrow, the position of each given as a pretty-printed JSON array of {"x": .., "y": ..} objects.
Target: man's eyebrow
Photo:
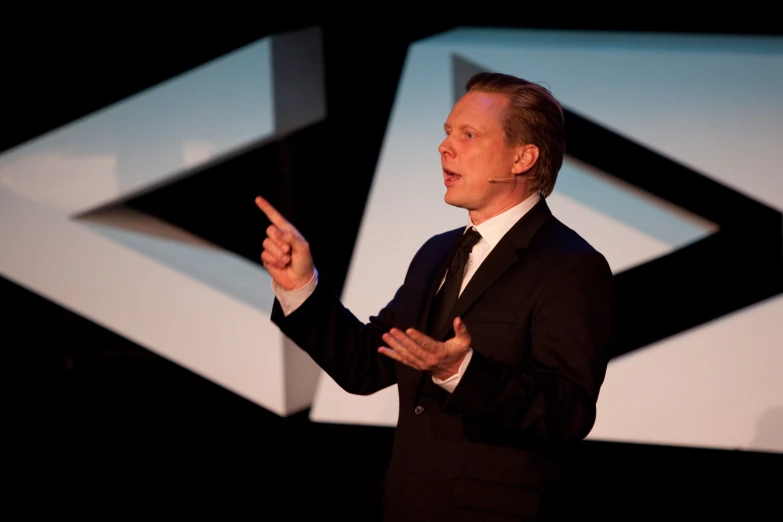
[{"x": 462, "y": 126}]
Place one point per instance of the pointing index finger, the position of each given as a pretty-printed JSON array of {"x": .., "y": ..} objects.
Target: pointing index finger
[{"x": 274, "y": 216}]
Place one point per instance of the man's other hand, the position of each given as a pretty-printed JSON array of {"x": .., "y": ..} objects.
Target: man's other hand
[{"x": 419, "y": 351}]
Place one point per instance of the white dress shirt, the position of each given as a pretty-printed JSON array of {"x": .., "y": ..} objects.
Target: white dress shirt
[{"x": 492, "y": 231}]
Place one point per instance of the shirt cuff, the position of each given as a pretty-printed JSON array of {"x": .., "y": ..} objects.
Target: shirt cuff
[
  {"x": 451, "y": 383},
  {"x": 290, "y": 300}
]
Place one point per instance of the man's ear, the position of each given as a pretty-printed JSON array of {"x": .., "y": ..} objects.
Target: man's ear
[{"x": 524, "y": 159}]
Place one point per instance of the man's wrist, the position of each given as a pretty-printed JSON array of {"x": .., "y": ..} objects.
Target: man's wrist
[
  {"x": 450, "y": 370},
  {"x": 451, "y": 381},
  {"x": 291, "y": 300},
  {"x": 298, "y": 286}
]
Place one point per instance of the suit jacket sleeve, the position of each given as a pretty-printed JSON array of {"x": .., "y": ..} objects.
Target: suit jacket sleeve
[
  {"x": 551, "y": 397},
  {"x": 342, "y": 345}
]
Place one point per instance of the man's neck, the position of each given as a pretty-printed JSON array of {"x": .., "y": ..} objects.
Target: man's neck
[{"x": 478, "y": 217}]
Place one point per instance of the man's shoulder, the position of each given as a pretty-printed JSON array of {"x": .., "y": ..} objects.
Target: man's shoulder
[{"x": 558, "y": 238}]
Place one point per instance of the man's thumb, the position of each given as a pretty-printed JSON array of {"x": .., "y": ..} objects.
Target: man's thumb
[{"x": 459, "y": 327}]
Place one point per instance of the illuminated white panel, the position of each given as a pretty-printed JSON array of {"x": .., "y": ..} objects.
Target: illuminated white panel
[
  {"x": 717, "y": 385},
  {"x": 66, "y": 236}
]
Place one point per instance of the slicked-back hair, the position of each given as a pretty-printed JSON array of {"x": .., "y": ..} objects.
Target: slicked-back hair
[{"x": 534, "y": 116}]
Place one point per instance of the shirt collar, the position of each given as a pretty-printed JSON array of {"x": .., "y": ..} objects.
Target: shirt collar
[{"x": 493, "y": 229}]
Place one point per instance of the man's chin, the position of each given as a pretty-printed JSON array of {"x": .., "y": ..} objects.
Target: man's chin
[{"x": 450, "y": 199}]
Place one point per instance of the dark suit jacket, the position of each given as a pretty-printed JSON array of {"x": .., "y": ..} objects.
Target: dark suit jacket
[{"x": 540, "y": 310}]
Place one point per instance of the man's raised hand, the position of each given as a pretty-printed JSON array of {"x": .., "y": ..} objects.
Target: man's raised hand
[{"x": 286, "y": 253}]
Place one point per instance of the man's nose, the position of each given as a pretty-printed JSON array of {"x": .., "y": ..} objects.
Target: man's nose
[{"x": 444, "y": 148}]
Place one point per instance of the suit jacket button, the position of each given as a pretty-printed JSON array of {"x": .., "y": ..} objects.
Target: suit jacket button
[{"x": 418, "y": 410}]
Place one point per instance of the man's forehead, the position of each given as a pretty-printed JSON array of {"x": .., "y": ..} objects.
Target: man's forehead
[{"x": 477, "y": 107}]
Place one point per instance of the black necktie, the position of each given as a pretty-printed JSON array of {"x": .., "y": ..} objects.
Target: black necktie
[{"x": 449, "y": 292}]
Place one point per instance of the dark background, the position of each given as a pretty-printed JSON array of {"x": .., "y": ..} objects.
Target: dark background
[{"x": 99, "y": 425}]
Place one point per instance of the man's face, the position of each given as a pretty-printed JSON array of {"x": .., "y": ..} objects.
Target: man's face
[{"x": 475, "y": 151}]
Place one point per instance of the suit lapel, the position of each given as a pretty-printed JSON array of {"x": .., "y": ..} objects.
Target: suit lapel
[
  {"x": 503, "y": 256},
  {"x": 499, "y": 260}
]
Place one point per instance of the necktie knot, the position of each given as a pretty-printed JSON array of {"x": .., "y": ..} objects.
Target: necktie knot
[{"x": 469, "y": 240}]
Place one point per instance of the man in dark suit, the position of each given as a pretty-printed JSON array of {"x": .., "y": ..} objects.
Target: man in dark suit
[{"x": 498, "y": 341}]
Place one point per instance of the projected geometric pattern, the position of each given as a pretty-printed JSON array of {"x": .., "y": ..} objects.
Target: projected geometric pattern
[
  {"x": 691, "y": 226},
  {"x": 69, "y": 236},
  {"x": 96, "y": 215},
  {"x": 678, "y": 288}
]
